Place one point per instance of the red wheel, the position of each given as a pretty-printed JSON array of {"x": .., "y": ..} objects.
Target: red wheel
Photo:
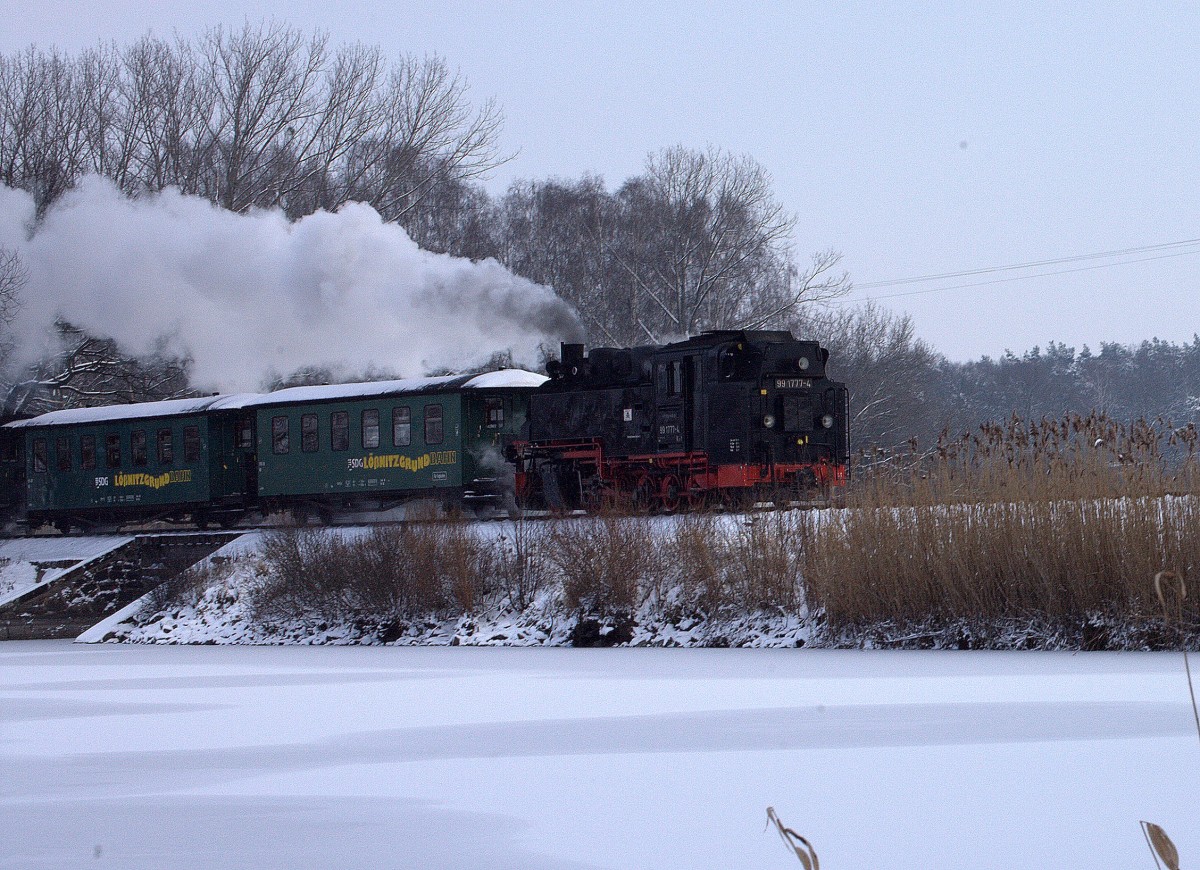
[
  {"x": 645, "y": 493},
  {"x": 670, "y": 493}
]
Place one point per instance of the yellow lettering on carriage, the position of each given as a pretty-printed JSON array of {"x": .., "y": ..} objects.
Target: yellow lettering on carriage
[
  {"x": 373, "y": 462},
  {"x": 153, "y": 481}
]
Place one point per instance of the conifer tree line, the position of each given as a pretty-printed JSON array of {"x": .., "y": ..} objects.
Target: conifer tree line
[{"x": 268, "y": 116}]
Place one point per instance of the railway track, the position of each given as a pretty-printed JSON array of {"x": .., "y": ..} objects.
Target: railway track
[{"x": 369, "y": 520}]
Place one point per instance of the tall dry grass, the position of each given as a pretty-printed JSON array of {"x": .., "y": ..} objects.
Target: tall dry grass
[
  {"x": 1060, "y": 519},
  {"x": 1071, "y": 457},
  {"x": 733, "y": 564}
]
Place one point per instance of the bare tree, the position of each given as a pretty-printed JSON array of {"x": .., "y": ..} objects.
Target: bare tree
[
  {"x": 13, "y": 278},
  {"x": 561, "y": 234},
  {"x": 892, "y": 375},
  {"x": 428, "y": 134},
  {"x": 263, "y": 116},
  {"x": 264, "y": 81},
  {"x": 706, "y": 245},
  {"x": 90, "y": 371},
  {"x": 169, "y": 108},
  {"x": 43, "y": 146}
]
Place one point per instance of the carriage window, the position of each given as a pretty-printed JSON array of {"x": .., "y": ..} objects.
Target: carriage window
[
  {"x": 191, "y": 444},
  {"x": 39, "y": 454},
  {"x": 309, "y": 440},
  {"x": 63, "y": 449},
  {"x": 401, "y": 427},
  {"x": 112, "y": 450},
  {"x": 339, "y": 430},
  {"x": 8, "y": 449},
  {"x": 166, "y": 449},
  {"x": 433, "y": 424},
  {"x": 370, "y": 429},
  {"x": 494, "y": 409},
  {"x": 87, "y": 452},
  {"x": 138, "y": 447},
  {"x": 280, "y": 430},
  {"x": 244, "y": 437}
]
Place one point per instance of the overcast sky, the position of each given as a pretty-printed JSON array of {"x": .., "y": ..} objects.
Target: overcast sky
[{"x": 914, "y": 139}]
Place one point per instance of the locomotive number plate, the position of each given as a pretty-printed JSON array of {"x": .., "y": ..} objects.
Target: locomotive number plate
[{"x": 793, "y": 383}]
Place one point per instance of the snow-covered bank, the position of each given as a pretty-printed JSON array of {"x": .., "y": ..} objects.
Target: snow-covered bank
[
  {"x": 217, "y": 605},
  {"x": 201, "y": 757}
]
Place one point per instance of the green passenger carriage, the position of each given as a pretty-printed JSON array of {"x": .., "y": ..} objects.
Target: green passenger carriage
[
  {"x": 170, "y": 460},
  {"x": 372, "y": 445}
]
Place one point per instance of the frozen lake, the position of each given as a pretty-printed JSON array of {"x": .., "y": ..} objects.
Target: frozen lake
[{"x": 336, "y": 757}]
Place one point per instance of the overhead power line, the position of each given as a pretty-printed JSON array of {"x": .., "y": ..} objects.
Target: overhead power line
[{"x": 1164, "y": 251}]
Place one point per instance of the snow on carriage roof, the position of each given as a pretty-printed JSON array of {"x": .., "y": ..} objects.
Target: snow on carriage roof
[
  {"x": 507, "y": 378},
  {"x": 503, "y": 379},
  {"x": 109, "y": 413}
]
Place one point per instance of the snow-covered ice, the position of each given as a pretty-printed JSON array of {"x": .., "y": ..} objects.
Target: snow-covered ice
[{"x": 274, "y": 757}]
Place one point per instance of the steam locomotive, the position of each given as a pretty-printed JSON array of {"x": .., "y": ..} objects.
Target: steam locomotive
[
  {"x": 729, "y": 415},
  {"x": 726, "y": 415}
]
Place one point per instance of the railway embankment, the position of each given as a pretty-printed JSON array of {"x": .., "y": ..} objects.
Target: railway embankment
[
  {"x": 88, "y": 579},
  {"x": 730, "y": 580}
]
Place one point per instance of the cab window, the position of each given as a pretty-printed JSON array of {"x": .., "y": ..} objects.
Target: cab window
[{"x": 494, "y": 412}]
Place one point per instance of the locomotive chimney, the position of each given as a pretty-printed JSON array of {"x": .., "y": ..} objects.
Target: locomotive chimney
[{"x": 572, "y": 359}]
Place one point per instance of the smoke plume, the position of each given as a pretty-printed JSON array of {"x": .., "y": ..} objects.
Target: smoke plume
[{"x": 250, "y": 294}]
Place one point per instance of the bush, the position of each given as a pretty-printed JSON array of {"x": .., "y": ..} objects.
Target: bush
[
  {"x": 520, "y": 562},
  {"x": 387, "y": 571},
  {"x": 602, "y": 560}
]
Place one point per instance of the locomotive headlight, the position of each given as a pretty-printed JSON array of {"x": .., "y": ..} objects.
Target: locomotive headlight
[
  {"x": 802, "y": 363},
  {"x": 827, "y": 421},
  {"x": 769, "y": 421}
]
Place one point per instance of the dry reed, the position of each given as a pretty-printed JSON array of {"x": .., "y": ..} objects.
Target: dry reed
[{"x": 1054, "y": 520}]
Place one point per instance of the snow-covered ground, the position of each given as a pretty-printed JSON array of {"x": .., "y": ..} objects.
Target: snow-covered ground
[{"x": 386, "y": 757}]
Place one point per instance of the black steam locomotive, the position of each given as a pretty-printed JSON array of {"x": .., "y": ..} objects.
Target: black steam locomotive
[{"x": 728, "y": 415}]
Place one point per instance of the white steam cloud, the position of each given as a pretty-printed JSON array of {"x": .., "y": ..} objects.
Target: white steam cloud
[{"x": 250, "y": 294}]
